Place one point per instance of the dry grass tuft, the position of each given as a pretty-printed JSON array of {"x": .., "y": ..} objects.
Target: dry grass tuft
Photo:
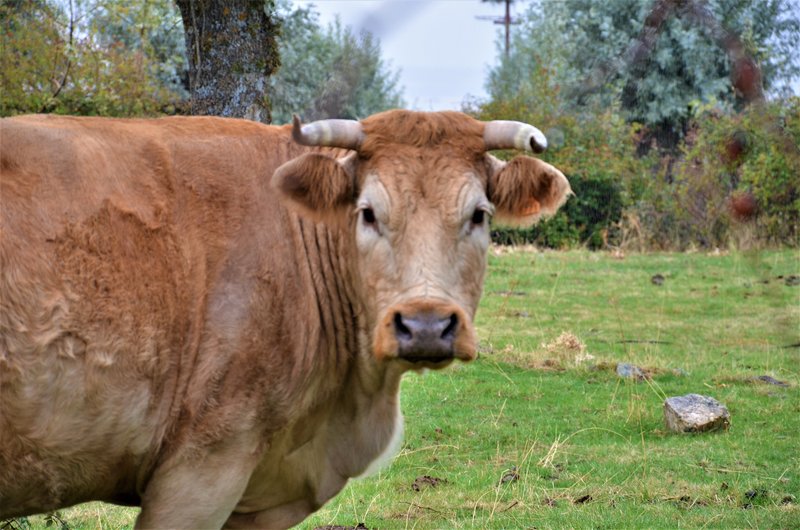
[{"x": 562, "y": 353}]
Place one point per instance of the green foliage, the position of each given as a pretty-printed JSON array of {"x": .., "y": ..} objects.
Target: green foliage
[
  {"x": 771, "y": 169},
  {"x": 755, "y": 152},
  {"x": 586, "y": 219},
  {"x": 55, "y": 521},
  {"x": 568, "y": 75},
  {"x": 107, "y": 57},
  {"x": 329, "y": 73},
  {"x": 30, "y": 57},
  {"x": 154, "y": 28},
  {"x": 601, "y": 56},
  {"x": 594, "y": 148}
]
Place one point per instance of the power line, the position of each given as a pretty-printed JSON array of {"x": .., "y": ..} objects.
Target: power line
[{"x": 506, "y": 21}]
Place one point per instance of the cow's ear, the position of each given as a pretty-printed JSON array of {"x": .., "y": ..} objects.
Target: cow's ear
[
  {"x": 525, "y": 189},
  {"x": 321, "y": 187}
]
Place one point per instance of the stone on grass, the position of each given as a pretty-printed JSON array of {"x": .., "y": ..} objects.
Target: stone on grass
[
  {"x": 769, "y": 380},
  {"x": 695, "y": 413},
  {"x": 630, "y": 370}
]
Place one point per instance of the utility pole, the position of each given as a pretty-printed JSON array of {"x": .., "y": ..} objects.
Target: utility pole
[{"x": 507, "y": 21}]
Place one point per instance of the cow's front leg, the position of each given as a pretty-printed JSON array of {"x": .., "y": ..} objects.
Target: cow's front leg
[
  {"x": 199, "y": 491},
  {"x": 278, "y": 517}
]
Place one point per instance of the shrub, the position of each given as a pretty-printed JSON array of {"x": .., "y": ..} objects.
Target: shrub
[
  {"x": 586, "y": 219},
  {"x": 770, "y": 169},
  {"x": 730, "y": 156},
  {"x": 595, "y": 150},
  {"x": 78, "y": 60}
]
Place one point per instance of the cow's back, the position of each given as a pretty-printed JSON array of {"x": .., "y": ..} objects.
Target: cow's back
[{"x": 112, "y": 235}]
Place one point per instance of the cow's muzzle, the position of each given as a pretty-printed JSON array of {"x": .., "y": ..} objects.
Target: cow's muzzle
[{"x": 426, "y": 333}]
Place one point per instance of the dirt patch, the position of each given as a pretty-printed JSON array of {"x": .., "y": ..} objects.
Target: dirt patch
[
  {"x": 506, "y": 294},
  {"x": 583, "y": 499},
  {"x": 547, "y": 365},
  {"x": 510, "y": 476},
  {"x": 426, "y": 481},
  {"x": 686, "y": 501},
  {"x": 754, "y": 497},
  {"x": 724, "y": 381}
]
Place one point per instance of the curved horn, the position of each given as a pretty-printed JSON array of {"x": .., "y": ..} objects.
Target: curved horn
[
  {"x": 503, "y": 134},
  {"x": 328, "y": 133}
]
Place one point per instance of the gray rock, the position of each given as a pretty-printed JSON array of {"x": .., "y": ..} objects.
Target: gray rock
[
  {"x": 630, "y": 370},
  {"x": 770, "y": 380},
  {"x": 695, "y": 413}
]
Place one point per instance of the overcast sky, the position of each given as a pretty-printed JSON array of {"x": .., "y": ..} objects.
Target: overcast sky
[{"x": 443, "y": 51}]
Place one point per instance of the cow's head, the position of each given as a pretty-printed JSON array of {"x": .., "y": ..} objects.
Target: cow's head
[{"x": 416, "y": 193}]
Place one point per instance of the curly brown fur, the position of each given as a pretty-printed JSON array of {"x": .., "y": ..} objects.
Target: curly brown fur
[
  {"x": 322, "y": 188},
  {"x": 525, "y": 190}
]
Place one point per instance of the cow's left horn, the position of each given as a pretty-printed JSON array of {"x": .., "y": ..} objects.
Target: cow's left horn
[
  {"x": 503, "y": 134},
  {"x": 328, "y": 133}
]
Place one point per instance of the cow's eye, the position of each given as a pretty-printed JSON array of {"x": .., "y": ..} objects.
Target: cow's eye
[
  {"x": 478, "y": 216},
  {"x": 368, "y": 215}
]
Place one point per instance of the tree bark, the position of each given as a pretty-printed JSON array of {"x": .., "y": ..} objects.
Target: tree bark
[{"x": 232, "y": 53}]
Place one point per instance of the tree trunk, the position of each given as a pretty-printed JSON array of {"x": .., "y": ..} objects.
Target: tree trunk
[{"x": 232, "y": 52}]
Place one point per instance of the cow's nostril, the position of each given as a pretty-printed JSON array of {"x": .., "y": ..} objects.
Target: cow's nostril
[
  {"x": 425, "y": 335},
  {"x": 449, "y": 332},
  {"x": 401, "y": 330}
]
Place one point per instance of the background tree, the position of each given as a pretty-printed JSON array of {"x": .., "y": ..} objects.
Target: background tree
[
  {"x": 657, "y": 59},
  {"x": 154, "y": 28},
  {"x": 88, "y": 57},
  {"x": 232, "y": 53},
  {"x": 329, "y": 73},
  {"x": 115, "y": 57}
]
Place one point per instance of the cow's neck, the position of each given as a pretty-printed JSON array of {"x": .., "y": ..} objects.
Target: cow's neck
[{"x": 362, "y": 391}]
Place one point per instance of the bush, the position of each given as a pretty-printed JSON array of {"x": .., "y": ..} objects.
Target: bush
[
  {"x": 587, "y": 219},
  {"x": 770, "y": 169},
  {"x": 677, "y": 201},
  {"x": 689, "y": 197},
  {"x": 79, "y": 60},
  {"x": 727, "y": 157},
  {"x": 596, "y": 150}
]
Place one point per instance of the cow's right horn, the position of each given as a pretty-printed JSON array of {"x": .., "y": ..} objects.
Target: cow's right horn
[
  {"x": 503, "y": 134},
  {"x": 346, "y": 134}
]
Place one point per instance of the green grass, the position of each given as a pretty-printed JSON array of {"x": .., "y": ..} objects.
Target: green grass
[{"x": 578, "y": 445}]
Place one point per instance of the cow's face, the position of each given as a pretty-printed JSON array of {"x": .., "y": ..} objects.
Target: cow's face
[
  {"x": 422, "y": 232},
  {"x": 418, "y": 217}
]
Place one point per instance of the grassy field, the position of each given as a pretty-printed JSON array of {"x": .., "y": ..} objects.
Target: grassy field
[{"x": 541, "y": 432}]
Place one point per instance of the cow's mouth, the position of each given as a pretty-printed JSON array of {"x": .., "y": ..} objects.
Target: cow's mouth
[{"x": 433, "y": 362}]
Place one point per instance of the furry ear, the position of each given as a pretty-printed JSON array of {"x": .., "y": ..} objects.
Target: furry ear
[
  {"x": 525, "y": 190},
  {"x": 319, "y": 186}
]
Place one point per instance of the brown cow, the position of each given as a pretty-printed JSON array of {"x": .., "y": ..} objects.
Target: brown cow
[{"x": 207, "y": 319}]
